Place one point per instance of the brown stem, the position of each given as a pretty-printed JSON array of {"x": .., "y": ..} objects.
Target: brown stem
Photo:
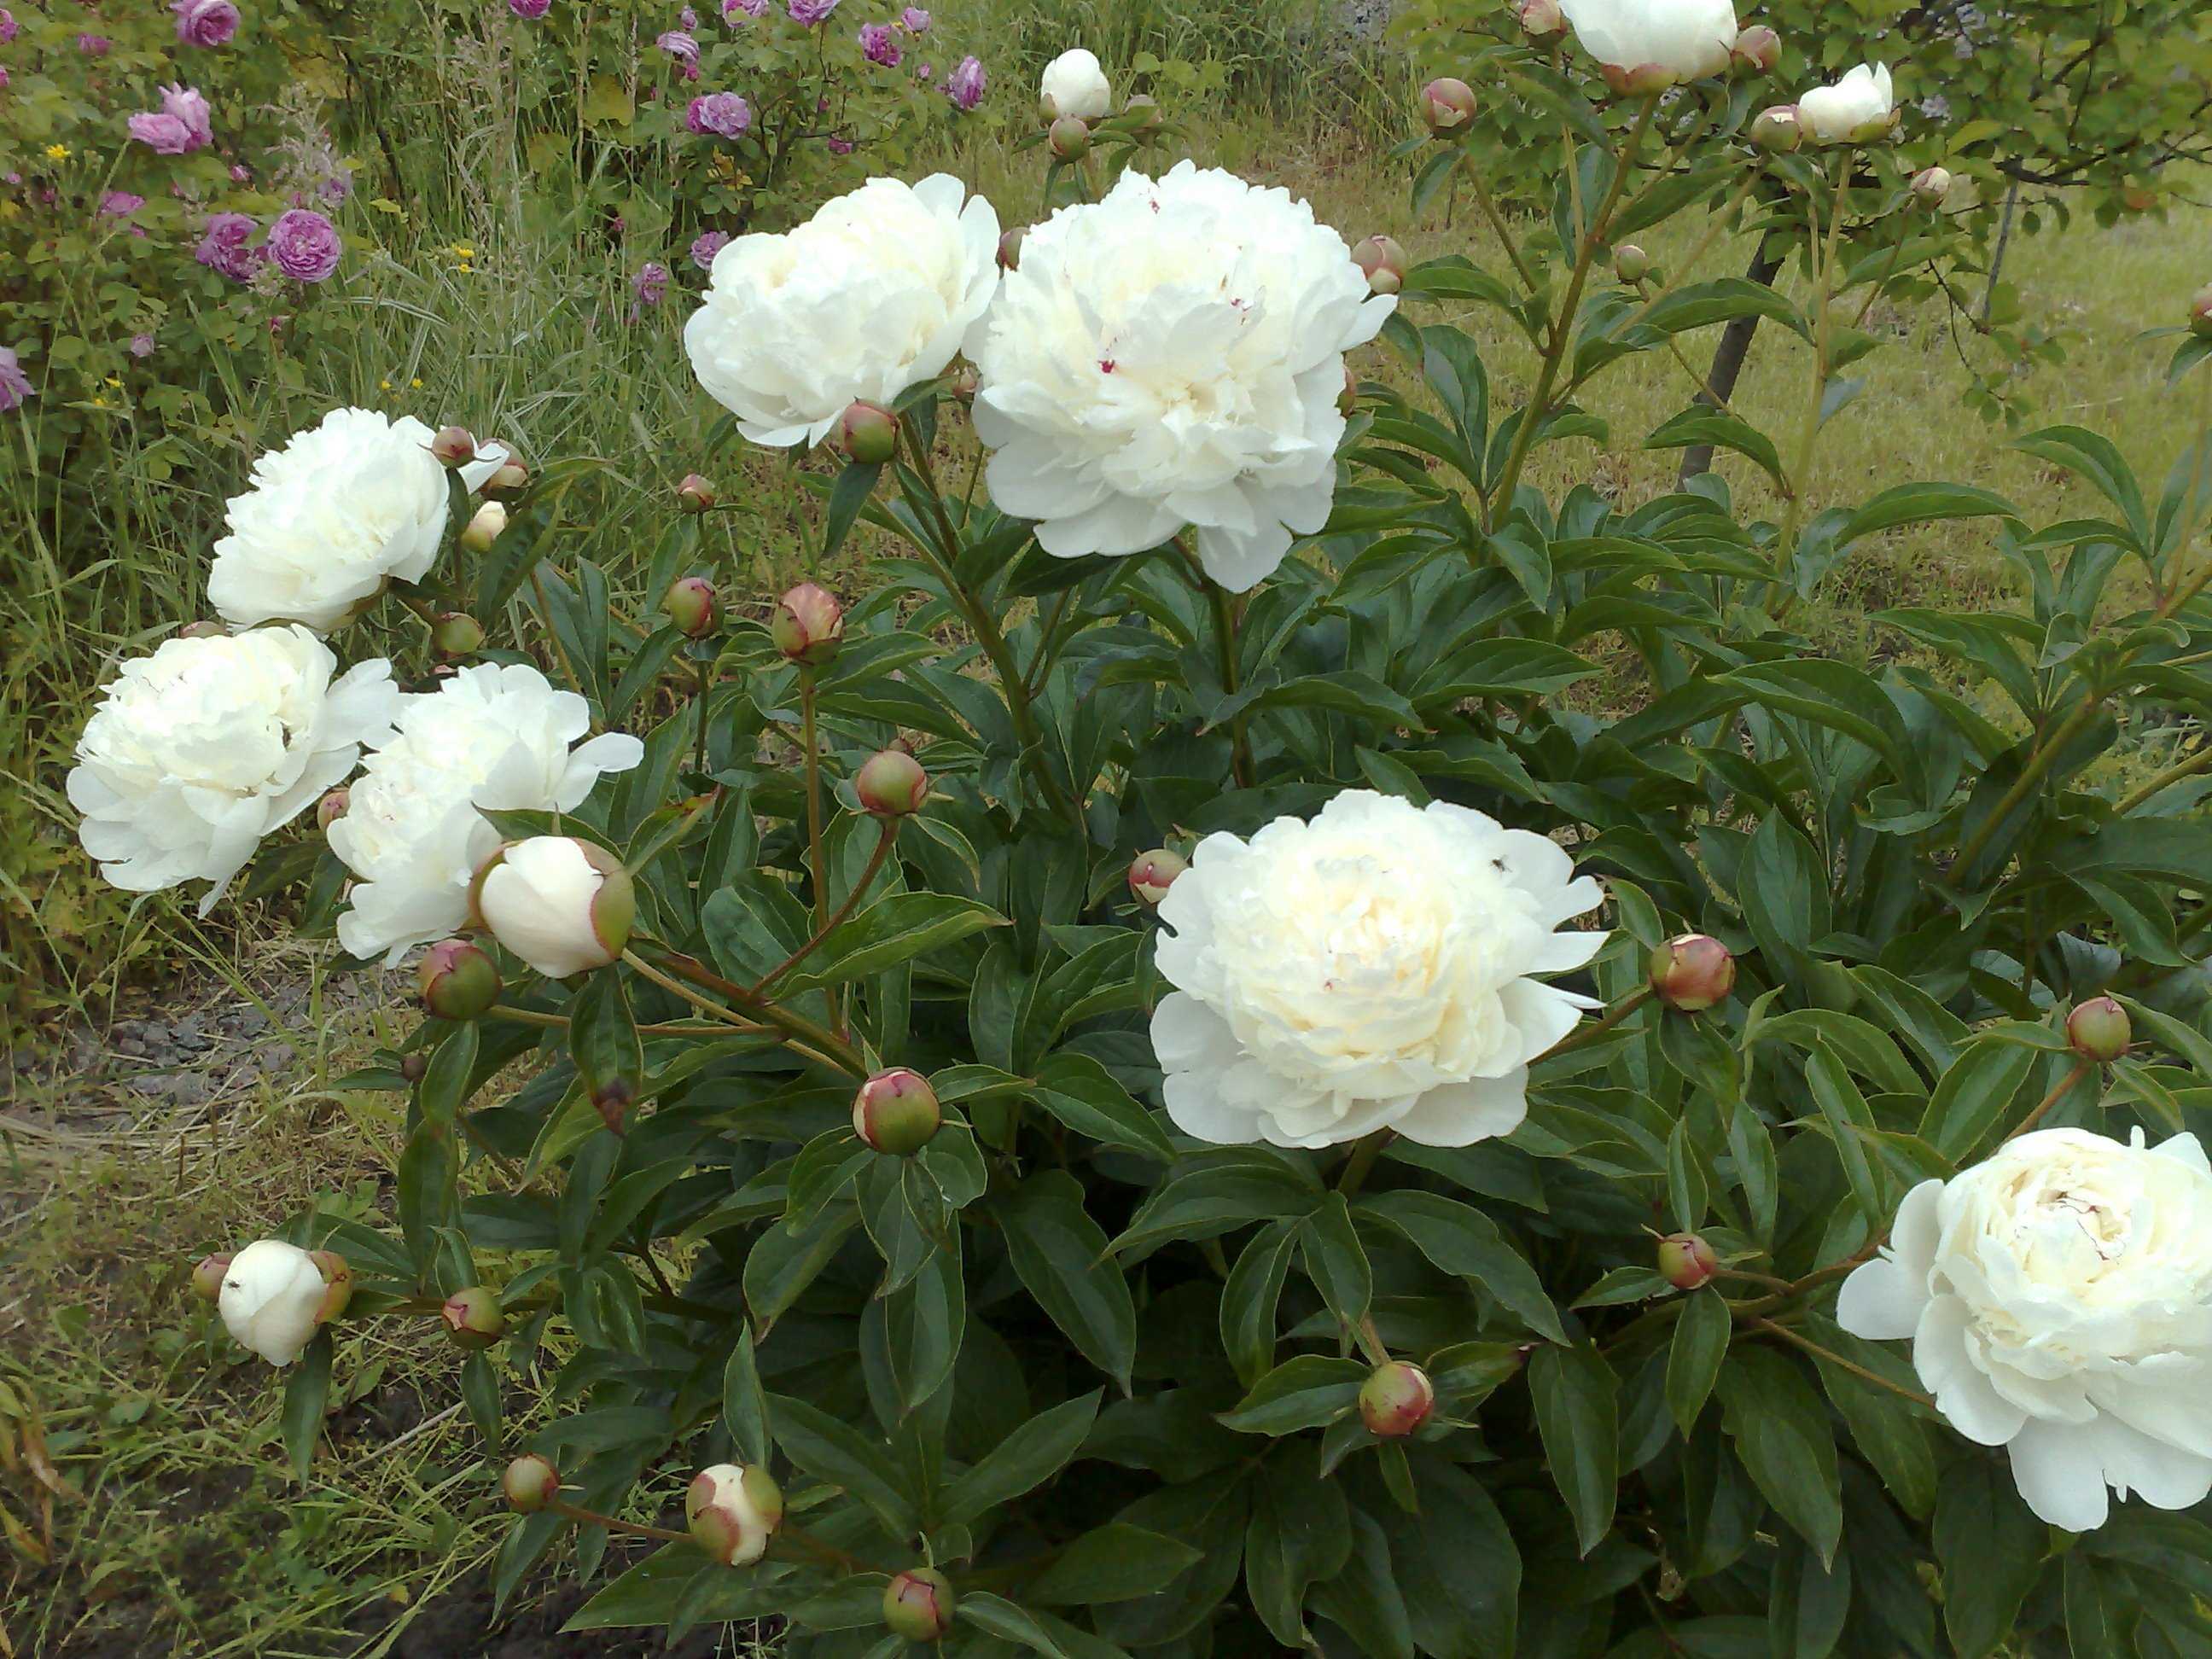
[
  {"x": 1582, "y": 1036},
  {"x": 885, "y": 835},
  {"x": 1840, "y": 1362},
  {"x": 801, "y": 1034},
  {"x": 2065, "y": 1086},
  {"x": 593, "y": 1518}
]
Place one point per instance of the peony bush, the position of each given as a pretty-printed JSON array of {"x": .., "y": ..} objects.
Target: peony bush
[{"x": 1273, "y": 1040}]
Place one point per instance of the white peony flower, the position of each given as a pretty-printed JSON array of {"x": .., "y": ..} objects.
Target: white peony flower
[
  {"x": 1369, "y": 969},
  {"x": 1172, "y": 355},
  {"x": 493, "y": 737},
  {"x": 561, "y": 904},
  {"x": 874, "y": 294},
  {"x": 199, "y": 751},
  {"x": 343, "y": 507},
  {"x": 1648, "y": 46},
  {"x": 1860, "y": 106},
  {"x": 271, "y": 1299},
  {"x": 1074, "y": 84},
  {"x": 2059, "y": 1299}
]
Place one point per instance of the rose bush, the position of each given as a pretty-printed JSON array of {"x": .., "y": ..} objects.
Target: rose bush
[{"x": 1060, "y": 1105}]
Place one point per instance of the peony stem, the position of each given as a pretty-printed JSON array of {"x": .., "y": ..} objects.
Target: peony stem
[
  {"x": 2045, "y": 755},
  {"x": 810, "y": 735},
  {"x": 592, "y": 1518},
  {"x": 1582, "y": 1036},
  {"x": 1482, "y": 199},
  {"x": 706, "y": 685},
  {"x": 1840, "y": 1362},
  {"x": 1224, "y": 639},
  {"x": 1809, "y": 429},
  {"x": 801, "y": 1034},
  {"x": 1362, "y": 1160},
  {"x": 559, "y": 1023},
  {"x": 885, "y": 835},
  {"x": 2043, "y": 1107}
]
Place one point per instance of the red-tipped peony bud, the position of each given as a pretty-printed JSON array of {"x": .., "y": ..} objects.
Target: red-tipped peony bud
[
  {"x": 454, "y": 445},
  {"x": 808, "y": 625},
  {"x": 1757, "y": 51},
  {"x": 330, "y": 809},
  {"x": 1395, "y": 1399},
  {"x": 1382, "y": 262},
  {"x": 1070, "y": 138},
  {"x": 458, "y": 980},
  {"x": 694, "y": 494},
  {"x": 891, "y": 784},
  {"x": 473, "y": 1318},
  {"x": 1636, "y": 80},
  {"x": 564, "y": 905},
  {"x": 1932, "y": 186},
  {"x": 1447, "y": 105},
  {"x": 919, "y": 1604},
  {"x": 689, "y": 605},
  {"x": 483, "y": 528},
  {"x": 2099, "y": 1029},
  {"x": 867, "y": 434},
  {"x": 1631, "y": 264},
  {"x": 1692, "y": 973},
  {"x": 896, "y": 1112},
  {"x": 1541, "y": 21},
  {"x": 1010, "y": 247},
  {"x": 207, "y": 1276},
  {"x": 962, "y": 381},
  {"x": 733, "y": 1511},
  {"x": 2200, "y": 313},
  {"x": 1777, "y": 130},
  {"x": 456, "y": 634},
  {"x": 1685, "y": 1260},
  {"x": 1154, "y": 872},
  {"x": 508, "y": 482},
  {"x": 530, "y": 1483},
  {"x": 202, "y": 630}
]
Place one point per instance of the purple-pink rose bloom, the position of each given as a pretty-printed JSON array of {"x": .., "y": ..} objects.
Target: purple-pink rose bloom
[
  {"x": 916, "y": 20},
  {"x": 964, "y": 86},
  {"x": 879, "y": 45},
  {"x": 808, "y": 12},
  {"x": 839, "y": 146},
  {"x": 679, "y": 45},
  {"x": 8, "y": 26},
  {"x": 15, "y": 384},
  {"x": 736, "y": 11},
  {"x": 142, "y": 346},
  {"x": 94, "y": 45},
  {"x": 529, "y": 11},
  {"x": 706, "y": 245},
  {"x": 721, "y": 114},
  {"x": 182, "y": 125},
  {"x": 120, "y": 204},
  {"x": 650, "y": 285},
  {"x": 224, "y": 248},
  {"x": 687, "y": 20},
  {"x": 205, "y": 22},
  {"x": 304, "y": 245}
]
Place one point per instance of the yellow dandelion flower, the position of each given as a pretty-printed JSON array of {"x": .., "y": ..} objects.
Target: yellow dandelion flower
[
  {"x": 417, "y": 385},
  {"x": 57, "y": 152},
  {"x": 384, "y": 386}
]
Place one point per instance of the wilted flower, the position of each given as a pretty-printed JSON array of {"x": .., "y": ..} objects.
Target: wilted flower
[
  {"x": 723, "y": 114},
  {"x": 223, "y": 247},
  {"x": 304, "y": 246},
  {"x": 205, "y": 22},
  {"x": 1173, "y": 355},
  {"x": 2059, "y": 1297},
  {"x": 492, "y": 737},
  {"x": 94, "y": 45},
  {"x": 880, "y": 45},
  {"x": 529, "y": 11},
  {"x": 706, "y": 245},
  {"x": 650, "y": 286},
  {"x": 274, "y": 1295},
  {"x": 183, "y": 125},
  {"x": 1860, "y": 106},
  {"x": 808, "y": 12},
  {"x": 874, "y": 293},
  {"x": 120, "y": 204},
  {"x": 1075, "y": 84},
  {"x": 1648, "y": 46},
  {"x": 1372, "y": 969},
  {"x": 202, "y": 748}
]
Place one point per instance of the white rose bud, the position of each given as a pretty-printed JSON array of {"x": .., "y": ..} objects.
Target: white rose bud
[
  {"x": 561, "y": 904},
  {"x": 1860, "y": 106},
  {"x": 484, "y": 528},
  {"x": 274, "y": 1296},
  {"x": 1643, "y": 47},
  {"x": 2059, "y": 1297},
  {"x": 734, "y": 1511},
  {"x": 1074, "y": 84},
  {"x": 1932, "y": 186}
]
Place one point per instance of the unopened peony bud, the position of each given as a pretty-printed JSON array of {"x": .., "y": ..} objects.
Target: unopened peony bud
[
  {"x": 1154, "y": 872},
  {"x": 896, "y": 1112},
  {"x": 891, "y": 784},
  {"x": 919, "y": 1604},
  {"x": 689, "y": 605},
  {"x": 808, "y": 625},
  {"x": 483, "y": 528},
  {"x": 962, "y": 381},
  {"x": 1542, "y": 20},
  {"x": 413, "y": 1067},
  {"x": 563, "y": 905},
  {"x": 1757, "y": 50},
  {"x": 1685, "y": 1260},
  {"x": 1631, "y": 264},
  {"x": 1142, "y": 113},
  {"x": 202, "y": 630},
  {"x": 1447, "y": 105},
  {"x": 207, "y": 1277},
  {"x": 1777, "y": 130},
  {"x": 456, "y": 634},
  {"x": 509, "y": 481},
  {"x": 530, "y": 1483},
  {"x": 2200, "y": 313},
  {"x": 454, "y": 445},
  {"x": 734, "y": 1511},
  {"x": 2099, "y": 1029},
  {"x": 274, "y": 1296},
  {"x": 457, "y": 980},
  {"x": 867, "y": 434},
  {"x": 1070, "y": 138},
  {"x": 1010, "y": 247},
  {"x": 473, "y": 1318},
  {"x": 1382, "y": 262},
  {"x": 2138, "y": 198},
  {"x": 1395, "y": 1399},
  {"x": 694, "y": 494},
  {"x": 1932, "y": 186},
  {"x": 1692, "y": 973},
  {"x": 330, "y": 809}
]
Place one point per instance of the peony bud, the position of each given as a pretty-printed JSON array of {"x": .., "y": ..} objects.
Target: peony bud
[
  {"x": 1685, "y": 1260},
  {"x": 1447, "y": 105},
  {"x": 1542, "y": 20},
  {"x": 511, "y": 479},
  {"x": 413, "y": 1067},
  {"x": 274, "y": 1296},
  {"x": 1692, "y": 972},
  {"x": 2200, "y": 313},
  {"x": 896, "y": 1112},
  {"x": 484, "y": 528},
  {"x": 1382, "y": 262},
  {"x": 207, "y": 1277},
  {"x": 1142, "y": 113},
  {"x": 1070, "y": 138},
  {"x": 919, "y": 1604},
  {"x": 456, "y": 634},
  {"x": 457, "y": 981},
  {"x": 1154, "y": 872},
  {"x": 1010, "y": 247},
  {"x": 1757, "y": 50},
  {"x": 202, "y": 630},
  {"x": 563, "y": 905},
  {"x": 473, "y": 1318},
  {"x": 962, "y": 381},
  {"x": 689, "y": 605},
  {"x": 891, "y": 784},
  {"x": 530, "y": 1483},
  {"x": 1348, "y": 399},
  {"x": 1932, "y": 186},
  {"x": 734, "y": 1511},
  {"x": 337, "y": 1284},
  {"x": 453, "y": 446},
  {"x": 1777, "y": 130},
  {"x": 330, "y": 809},
  {"x": 808, "y": 625},
  {"x": 867, "y": 434},
  {"x": 2099, "y": 1029},
  {"x": 694, "y": 494},
  {"x": 1395, "y": 1399},
  {"x": 1631, "y": 264}
]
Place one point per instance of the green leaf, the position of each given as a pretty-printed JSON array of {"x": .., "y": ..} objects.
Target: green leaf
[
  {"x": 1781, "y": 1433},
  {"x": 1249, "y": 1298},
  {"x": 1084, "y": 1094},
  {"x": 1303, "y": 1392},
  {"x": 1700, "y": 425},
  {"x": 834, "y": 1451},
  {"x": 1575, "y": 1394},
  {"x": 1116, "y": 1562},
  {"x": 1300, "y": 1533},
  {"x": 744, "y": 1403},
  {"x": 1455, "y": 1563},
  {"x": 1990, "y": 1548},
  {"x": 1924, "y": 503},
  {"x": 1700, "y": 1343},
  {"x": 1974, "y": 1095},
  {"x": 1335, "y": 1260},
  {"x": 1002, "y": 1618},
  {"x": 1850, "y": 1124},
  {"x": 1060, "y": 1254},
  {"x": 1459, "y": 1239},
  {"x": 895, "y": 928},
  {"x": 307, "y": 1395},
  {"x": 1023, "y": 1460},
  {"x": 1203, "y": 1200},
  {"x": 447, "y": 1077},
  {"x": 1808, "y": 1601},
  {"x": 846, "y": 497}
]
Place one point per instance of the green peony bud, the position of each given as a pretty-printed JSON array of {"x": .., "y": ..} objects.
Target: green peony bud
[
  {"x": 1631, "y": 264},
  {"x": 694, "y": 494},
  {"x": 808, "y": 625},
  {"x": 2200, "y": 313},
  {"x": 530, "y": 1483},
  {"x": 454, "y": 445},
  {"x": 456, "y": 634},
  {"x": 919, "y": 1604},
  {"x": 1777, "y": 130},
  {"x": 891, "y": 784},
  {"x": 1395, "y": 1399},
  {"x": 508, "y": 482},
  {"x": 1447, "y": 105},
  {"x": 2099, "y": 1029},
  {"x": 1010, "y": 247},
  {"x": 1692, "y": 973},
  {"x": 896, "y": 1112},
  {"x": 473, "y": 1318},
  {"x": 1382, "y": 262},
  {"x": 1070, "y": 138},
  {"x": 1931, "y": 187},
  {"x": 689, "y": 605},
  {"x": 484, "y": 528},
  {"x": 1154, "y": 872},
  {"x": 1685, "y": 1260},
  {"x": 1757, "y": 51},
  {"x": 207, "y": 1277},
  {"x": 867, "y": 434},
  {"x": 1541, "y": 21},
  {"x": 458, "y": 981}
]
